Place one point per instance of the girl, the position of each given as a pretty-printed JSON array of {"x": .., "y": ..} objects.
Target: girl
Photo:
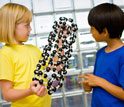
[{"x": 18, "y": 61}]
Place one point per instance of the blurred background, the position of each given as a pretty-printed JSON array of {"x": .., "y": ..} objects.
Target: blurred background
[{"x": 45, "y": 12}]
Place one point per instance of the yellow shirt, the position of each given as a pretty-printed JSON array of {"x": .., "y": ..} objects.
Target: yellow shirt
[{"x": 17, "y": 64}]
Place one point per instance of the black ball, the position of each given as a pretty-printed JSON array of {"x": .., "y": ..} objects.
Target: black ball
[
  {"x": 45, "y": 76},
  {"x": 41, "y": 81}
]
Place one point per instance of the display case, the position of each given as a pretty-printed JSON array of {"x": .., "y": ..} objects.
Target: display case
[
  {"x": 88, "y": 59},
  {"x": 2, "y": 2},
  {"x": 97, "y": 2},
  {"x": 40, "y": 6},
  {"x": 31, "y": 40},
  {"x": 26, "y": 3},
  {"x": 1, "y": 45},
  {"x": 86, "y": 41},
  {"x": 75, "y": 101},
  {"x": 82, "y": 20},
  {"x": 74, "y": 62},
  {"x": 42, "y": 40},
  {"x": 82, "y": 4},
  {"x": 71, "y": 83},
  {"x": 57, "y": 102},
  {"x": 89, "y": 96},
  {"x": 63, "y": 5},
  {"x": 43, "y": 23},
  {"x": 119, "y": 2}
]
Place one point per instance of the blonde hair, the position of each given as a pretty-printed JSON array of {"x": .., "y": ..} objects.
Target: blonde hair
[{"x": 10, "y": 15}]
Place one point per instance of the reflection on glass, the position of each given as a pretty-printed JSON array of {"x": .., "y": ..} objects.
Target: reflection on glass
[
  {"x": 1, "y": 45},
  {"x": 71, "y": 83},
  {"x": 81, "y": 4},
  {"x": 0, "y": 94},
  {"x": 67, "y": 15},
  {"x": 56, "y": 84},
  {"x": 5, "y": 105},
  {"x": 3, "y": 2},
  {"x": 97, "y": 2},
  {"x": 26, "y": 3},
  {"x": 42, "y": 6},
  {"x": 32, "y": 27},
  {"x": 31, "y": 40},
  {"x": 75, "y": 101},
  {"x": 122, "y": 37},
  {"x": 1, "y": 97},
  {"x": 102, "y": 44},
  {"x": 89, "y": 99},
  {"x": 88, "y": 58},
  {"x": 73, "y": 62},
  {"x": 82, "y": 21},
  {"x": 119, "y": 2},
  {"x": 58, "y": 102},
  {"x": 41, "y": 42},
  {"x": 86, "y": 41},
  {"x": 63, "y": 4},
  {"x": 43, "y": 23}
]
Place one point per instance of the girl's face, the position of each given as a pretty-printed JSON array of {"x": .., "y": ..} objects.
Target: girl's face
[{"x": 22, "y": 31}]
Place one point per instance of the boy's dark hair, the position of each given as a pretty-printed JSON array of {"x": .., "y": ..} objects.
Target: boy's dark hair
[{"x": 107, "y": 16}]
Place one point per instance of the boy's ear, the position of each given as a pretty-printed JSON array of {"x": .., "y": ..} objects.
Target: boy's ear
[{"x": 105, "y": 32}]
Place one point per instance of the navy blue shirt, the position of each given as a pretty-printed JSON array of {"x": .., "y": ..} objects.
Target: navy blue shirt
[{"x": 109, "y": 66}]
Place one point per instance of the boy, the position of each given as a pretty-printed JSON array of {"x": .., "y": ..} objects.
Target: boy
[{"x": 107, "y": 23}]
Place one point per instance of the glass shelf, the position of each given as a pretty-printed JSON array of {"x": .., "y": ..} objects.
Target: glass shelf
[
  {"x": 82, "y": 21},
  {"x": 71, "y": 83},
  {"x": 40, "y": 6},
  {"x": 43, "y": 23},
  {"x": 62, "y": 4},
  {"x": 26, "y": 3},
  {"x": 75, "y": 101},
  {"x": 82, "y": 4},
  {"x": 86, "y": 41},
  {"x": 57, "y": 102},
  {"x": 3, "y": 2},
  {"x": 88, "y": 58},
  {"x": 97, "y": 2},
  {"x": 119, "y": 2},
  {"x": 31, "y": 40}
]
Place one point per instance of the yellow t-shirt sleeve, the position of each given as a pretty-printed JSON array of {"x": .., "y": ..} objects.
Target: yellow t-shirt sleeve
[{"x": 6, "y": 68}]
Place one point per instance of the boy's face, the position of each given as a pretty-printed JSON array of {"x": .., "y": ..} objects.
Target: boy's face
[
  {"x": 99, "y": 37},
  {"x": 22, "y": 31}
]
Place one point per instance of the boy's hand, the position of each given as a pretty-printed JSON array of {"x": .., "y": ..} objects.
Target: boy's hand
[
  {"x": 39, "y": 90},
  {"x": 90, "y": 79},
  {"x": 86, "y": 87}
]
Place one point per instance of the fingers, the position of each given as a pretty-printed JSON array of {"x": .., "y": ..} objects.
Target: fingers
[
  {"x": 86, "y": 86},
  {"x": 88, "y": 74},
  {"x": 39, "y": 90},
  {"x": 33, "y": 83},
  {"x": 83, "y": 82},
  {"x": 88, "y": 89},
  {"x": 83, "y": 76},
  {"x": 42, "y": 91}
]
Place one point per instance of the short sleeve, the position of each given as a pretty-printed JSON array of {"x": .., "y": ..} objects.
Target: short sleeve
[{"x": 6, "y": 68}]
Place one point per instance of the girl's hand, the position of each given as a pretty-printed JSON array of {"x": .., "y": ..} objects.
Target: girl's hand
[
  {"x": 39, "y": 90},
  {"x": 90, "y": 79}
]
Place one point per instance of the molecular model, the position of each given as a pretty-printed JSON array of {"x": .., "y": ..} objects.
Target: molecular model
[{"x": 64, "y": 33}]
